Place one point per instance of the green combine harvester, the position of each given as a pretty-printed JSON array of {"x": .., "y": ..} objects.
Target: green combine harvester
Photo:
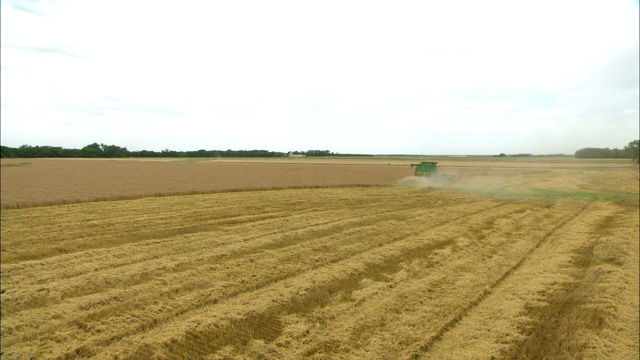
[{"x": 430, "y": 169}]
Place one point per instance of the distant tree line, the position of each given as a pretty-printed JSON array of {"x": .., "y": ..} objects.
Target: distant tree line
[
  {"x": 327, "y": 153},
  {"x": 629, "y": 152},
  {"x": 96, "y": 150},
  {"x": 313, "y": 153}
]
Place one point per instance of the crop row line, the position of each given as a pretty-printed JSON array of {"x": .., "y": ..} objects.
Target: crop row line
[
  {"x": 307, "y": 272},
  {"x": 447, "y": 326}
]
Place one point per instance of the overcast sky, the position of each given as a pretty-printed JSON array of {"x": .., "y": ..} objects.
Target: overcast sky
[{"x": 381, "y": 77}]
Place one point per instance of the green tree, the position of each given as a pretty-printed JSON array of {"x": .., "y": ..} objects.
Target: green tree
[
  {"x": 27, "y": 151},
  {"x": 318, "y": 152},
  {"x": 92, "y": 151},
  {"x": 632, "y": 150},
  {"x": 7, "y": 152},
  {"x": 112, "y": 151},
  {"x": 629, "y": 152}
]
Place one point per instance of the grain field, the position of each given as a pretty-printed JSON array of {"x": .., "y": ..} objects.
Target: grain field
[
  {"x": 28, "y": 182},
  {"x": 376, "y": 272}
]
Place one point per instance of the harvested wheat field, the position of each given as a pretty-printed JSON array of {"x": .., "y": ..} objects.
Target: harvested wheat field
[{"x": 515, "y": 262}]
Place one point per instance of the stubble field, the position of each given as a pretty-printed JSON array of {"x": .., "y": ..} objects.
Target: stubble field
[{"x": 521, "y": 260}]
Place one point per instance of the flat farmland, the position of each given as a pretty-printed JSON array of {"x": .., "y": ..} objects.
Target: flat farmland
[
  {"x": 27, "y": 182},
  {"x": 514, "y": 260}
]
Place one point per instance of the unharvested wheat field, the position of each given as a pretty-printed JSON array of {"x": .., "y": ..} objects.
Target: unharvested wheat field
[
  {"x": 514, "y": 260},
  {"x": 26, "y": 182}
]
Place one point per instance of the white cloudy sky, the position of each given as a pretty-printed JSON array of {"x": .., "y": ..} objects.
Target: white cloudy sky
[{"x": 384, "y": 77}]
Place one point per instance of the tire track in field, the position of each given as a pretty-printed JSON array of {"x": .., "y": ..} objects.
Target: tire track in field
[
  {"x": 368, "y": 318},
  {"x": 272, "y": 281},
  {"x": 87, "y": 227},
  {"x": 79, "y": 284},
  {"x": 39, "y": 251},
  {"x": 405, "y": 296},
  {"x": 320, "y": 296},
  {"x": 119, "y": 296},
  {"x": 137, "y": 226},
  {"x": 267, "y": 326},
  {"x": 70, "y": 263},
  {"x": 575, "y": 310},
  {"x": 67, "y": 261},
  {"x": 353, "y": 277},
  {"x": 447, "y": 326},
  {"x": 83, "y": 324}
]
